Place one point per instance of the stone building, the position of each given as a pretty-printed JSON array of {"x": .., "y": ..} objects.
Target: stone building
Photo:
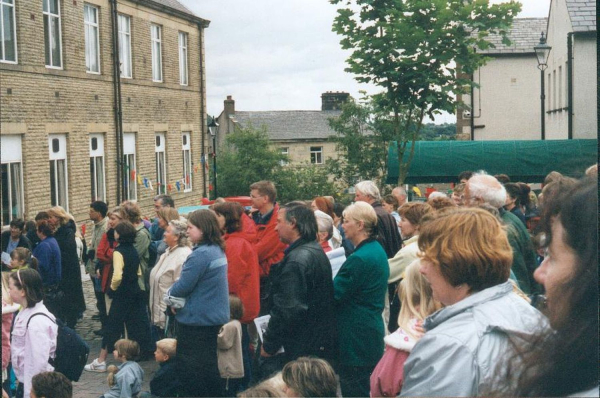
[
  {"x": 73, "y": 130},
  {"x": 507, "y": 104},
  {"x": 301, "y": 135}
]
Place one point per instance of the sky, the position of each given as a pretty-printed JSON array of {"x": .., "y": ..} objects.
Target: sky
[{"x": 282, "y": 54}]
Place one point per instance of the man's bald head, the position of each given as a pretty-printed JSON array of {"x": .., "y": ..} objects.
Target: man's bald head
[
  {"x": 483, "y": 188},
  {"x": 400, "y": 195}
]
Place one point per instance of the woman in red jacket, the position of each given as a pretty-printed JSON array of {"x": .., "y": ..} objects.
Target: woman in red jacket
[
  {"x": 104, "y": 253},
  {"x": 242, "y": 267}
]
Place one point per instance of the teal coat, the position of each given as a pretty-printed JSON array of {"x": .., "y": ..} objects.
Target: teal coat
[{"x": 359, "y": 292}]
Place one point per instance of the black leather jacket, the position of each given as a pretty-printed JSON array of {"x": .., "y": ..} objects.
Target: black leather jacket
[{"x": 301, "y": 304}]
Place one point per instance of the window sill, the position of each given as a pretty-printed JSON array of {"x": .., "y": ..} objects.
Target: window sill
[
  {"x": 9, "y": 62},
  {"x": 54, "y": 67}
]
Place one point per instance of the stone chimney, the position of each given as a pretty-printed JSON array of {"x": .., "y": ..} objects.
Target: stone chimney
[
  {"x": 229, "y": 108},
  {"x": 332, "y": 101}
]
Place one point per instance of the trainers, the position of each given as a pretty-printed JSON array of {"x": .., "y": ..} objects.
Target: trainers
[{"x": 96, "y": 366}]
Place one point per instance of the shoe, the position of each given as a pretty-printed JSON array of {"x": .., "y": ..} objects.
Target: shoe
[
  {"x": 96, "y": 366},
  {"x": 99, "y": 332}
]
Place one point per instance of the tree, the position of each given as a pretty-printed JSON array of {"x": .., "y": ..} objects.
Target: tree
[
  {"x": 411, "y": 49},
  {"x": 247, "y": 157},
  {"x": 362, "y": 138}
]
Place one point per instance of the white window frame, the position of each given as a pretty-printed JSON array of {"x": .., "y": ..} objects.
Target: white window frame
[
  {"x": 55, "y": 158},
  {"x": 48, "y": 33},
  {"x": 124, "y": 27},
  {"x": 186, "y": 148},
  {"x": 156, "y": 40},
  {"x": 11, "y": 6},
  {"x": 129, "y": 191},
  {"x": 12, "y": 154},
  {"x": 98, "y": 182},
  {"x": 161, "y": 163},
  {"x": 316, "y": 155},
  {"x": 285, "y": 150},
  {"x": 183, "y": 59},
  {"x": 89, "y": 27}
]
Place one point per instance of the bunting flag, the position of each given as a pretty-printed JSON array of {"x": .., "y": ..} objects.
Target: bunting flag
[
  {"x": 146, "y": 182},
  {"x": 150, "y": 185},
  {"x": 178, "y": 186},
  {"x": 169, "y": 188},
  {"x": 139, "y": 179},
  {"x": 132, "y": 178}
]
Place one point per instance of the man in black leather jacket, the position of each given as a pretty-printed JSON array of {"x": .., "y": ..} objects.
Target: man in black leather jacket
[{"x": 301, "y": 296}]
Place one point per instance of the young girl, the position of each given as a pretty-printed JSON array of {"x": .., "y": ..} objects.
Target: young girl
[
  {"x": 21, "y": 258},
  {"x": 34, "y": 332},
  {"x": 126, "y": 379},
  {"x": 229, "y": 345},
  {"x": 417, "y": 304}
]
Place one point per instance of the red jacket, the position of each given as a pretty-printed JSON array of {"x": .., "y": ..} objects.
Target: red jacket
[
  {"x": 242, "y": 269},
  {"x": 268, "y": 246},
  {"x": 104, "y": 253}
]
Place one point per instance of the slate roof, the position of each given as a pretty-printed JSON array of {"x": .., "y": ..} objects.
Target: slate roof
[
  {"x": 582, "y": 14},
  {"x": 524, "y": 35},
  {"x": 290, "y": 125},
  {"x": 174, "y": 4}
]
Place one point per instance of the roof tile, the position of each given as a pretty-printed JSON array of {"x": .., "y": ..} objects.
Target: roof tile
[{"x": 524, "y": 35}]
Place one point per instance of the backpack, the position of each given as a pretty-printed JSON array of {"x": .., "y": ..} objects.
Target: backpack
[{"x": 71, "y": 350}]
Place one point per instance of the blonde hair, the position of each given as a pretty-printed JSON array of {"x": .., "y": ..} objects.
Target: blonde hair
[
  {"x": 60, "y": 213},
  {"x": 168, "y": 347},
  {"x": 362, "y": 211},
  {"x": 112, "y": 371},
  {"x": 416, "y": 297},
  {"x": 127, "y": 349}
]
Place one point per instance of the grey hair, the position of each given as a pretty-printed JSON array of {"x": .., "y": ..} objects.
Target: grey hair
[
  {"x": 324, "y": 223},
  {"x": 437, "y": 194},
  {"x": 488, "y": 189},
  {"x": 400, "y": 190},
  {"x": 179, "y": 230},
  {"x": 368, "y": 188}
]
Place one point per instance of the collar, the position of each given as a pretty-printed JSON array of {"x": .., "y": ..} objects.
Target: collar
[
  {"x": 264, "y": 218},
  {"x": 293, "y": 245},
  {"x": 364, "y": 242}
]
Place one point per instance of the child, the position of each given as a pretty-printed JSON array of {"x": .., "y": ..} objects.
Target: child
[
  {"x": 21, "y": 258},
  {"x": 165, "y": 382},
  {"x": 8, "y": 309},
  {"x": 126, "y": 379},
  {"x": 229, "y": 348},
  {"x": 417, "y": 304}
]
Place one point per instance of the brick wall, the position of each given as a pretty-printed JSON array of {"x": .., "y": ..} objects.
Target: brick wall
[{"x": 43, "y": 101}]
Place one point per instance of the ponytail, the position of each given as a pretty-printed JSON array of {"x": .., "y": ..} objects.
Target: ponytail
[
  {"x": 32, "y": 262},
  {"x": 112, "y": 370}
]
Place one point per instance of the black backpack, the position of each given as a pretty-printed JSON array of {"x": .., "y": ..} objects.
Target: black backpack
[{"x": 71, "y": 350}]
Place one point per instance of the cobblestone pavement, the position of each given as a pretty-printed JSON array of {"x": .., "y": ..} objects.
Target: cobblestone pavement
[{"x": 91, "y": 384}]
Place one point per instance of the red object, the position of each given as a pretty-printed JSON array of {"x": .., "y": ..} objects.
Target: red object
[
  {"x": 243, "y": 269},
  {"x": 83, "y": 229},
  {"x": 268, "y": 246},
  {"x": 429, "y": 191},
  {"x": 104, "y": 254}
]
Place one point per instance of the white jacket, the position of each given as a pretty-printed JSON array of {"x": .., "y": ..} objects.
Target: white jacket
[{"x": 163, "y": 275}]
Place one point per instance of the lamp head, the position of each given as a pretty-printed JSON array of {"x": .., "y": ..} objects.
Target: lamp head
[{"x": 542, "y": 51}]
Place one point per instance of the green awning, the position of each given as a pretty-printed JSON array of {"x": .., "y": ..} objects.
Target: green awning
[{"x": 526, "y": 161}]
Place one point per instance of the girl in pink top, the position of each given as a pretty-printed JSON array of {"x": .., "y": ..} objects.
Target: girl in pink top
[
  {"x": 417, "y": 304},
  {"x": 32, "y": 346}
]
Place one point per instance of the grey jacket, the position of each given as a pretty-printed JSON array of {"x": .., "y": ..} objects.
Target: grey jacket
[{"x": 464, "y": 342}]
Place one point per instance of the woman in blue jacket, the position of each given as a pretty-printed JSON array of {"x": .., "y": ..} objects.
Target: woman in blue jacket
[{"x": 203, "y": 285}]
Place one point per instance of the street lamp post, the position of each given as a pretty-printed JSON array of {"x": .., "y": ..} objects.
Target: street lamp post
[
  {"x": 212, "y": 129},
  {"x": 542, "y": 50}
]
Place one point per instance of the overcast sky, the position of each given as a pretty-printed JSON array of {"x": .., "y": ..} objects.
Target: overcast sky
[{"x": 281, "y": 54}]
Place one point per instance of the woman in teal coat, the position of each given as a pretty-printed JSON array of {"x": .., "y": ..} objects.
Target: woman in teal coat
[{"x": 359, "y": 289}]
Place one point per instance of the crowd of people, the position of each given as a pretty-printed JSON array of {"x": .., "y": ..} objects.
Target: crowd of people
[{"x": 488, "y": 290}]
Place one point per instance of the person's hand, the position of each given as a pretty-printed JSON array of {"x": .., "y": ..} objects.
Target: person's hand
[
  {"x": 173, "y": 311},
  {"x": 98, "y": 274},
  {"x": 4, "y": 394},
  {"x": 263, "y": 353},
  {"x": 419, "y": 329}
]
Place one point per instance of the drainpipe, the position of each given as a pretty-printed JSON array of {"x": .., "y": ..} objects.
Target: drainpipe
[
  {"x": 570, "y": 85},
  {"x": 202, "y": 120},
  {"x": 472, "y": 108},
  {"x": 117, "y": 98}
]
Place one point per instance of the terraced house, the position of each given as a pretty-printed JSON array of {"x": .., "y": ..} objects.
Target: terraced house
[{"x": 100, "y": 100}]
